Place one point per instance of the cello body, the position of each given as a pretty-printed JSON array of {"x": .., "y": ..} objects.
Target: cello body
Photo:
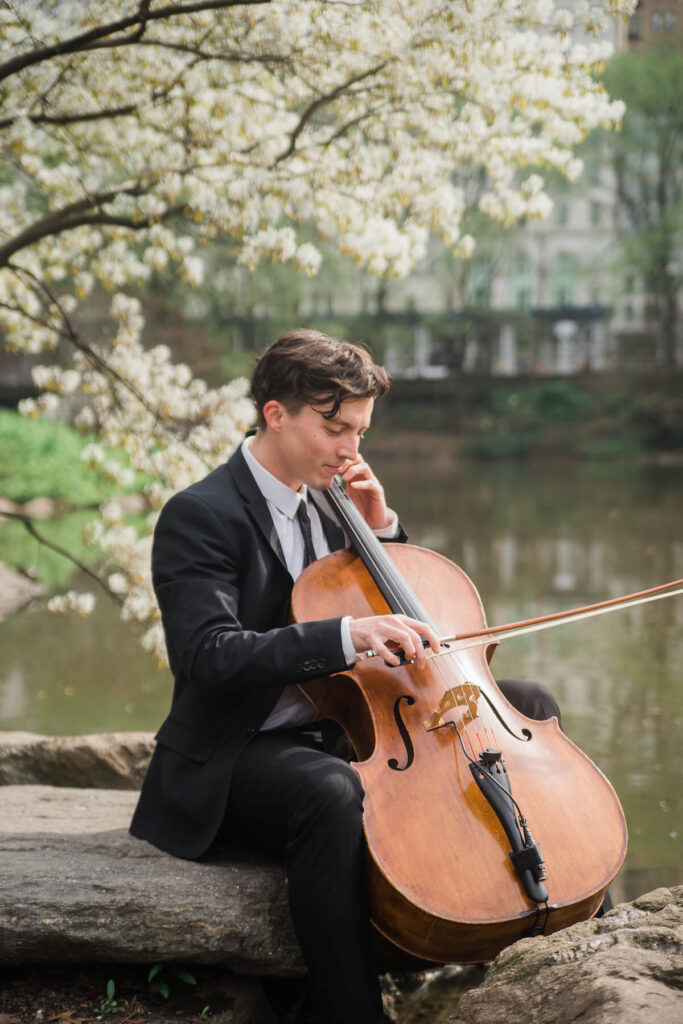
[{"x": 442, "y": 884}]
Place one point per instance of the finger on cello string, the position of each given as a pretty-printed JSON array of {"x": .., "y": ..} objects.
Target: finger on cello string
[{"x": 395, "y": 638}]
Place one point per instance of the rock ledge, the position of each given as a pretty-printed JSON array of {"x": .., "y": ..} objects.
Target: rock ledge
[
  {"x": 624, "y": 968},
  {"x": 75, "y": 886}
]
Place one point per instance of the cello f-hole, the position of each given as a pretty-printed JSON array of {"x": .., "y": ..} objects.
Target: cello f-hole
[
  {"x": 405, "y": 735},
  {"x": 525, "y": 733}
]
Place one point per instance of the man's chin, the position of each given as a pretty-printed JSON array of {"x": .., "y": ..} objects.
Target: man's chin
[{"x": 325, "y": 480}]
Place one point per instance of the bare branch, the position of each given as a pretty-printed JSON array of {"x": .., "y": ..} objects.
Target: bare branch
[
  {"x": 111, "y": 375},
  {"x": 321, "y": 102},
  {"x": 76, "y": 118},
  {"x": 228, "y": 57},
  {"x": 92, "y": 356},
  {"x": 29, "y": 523}
]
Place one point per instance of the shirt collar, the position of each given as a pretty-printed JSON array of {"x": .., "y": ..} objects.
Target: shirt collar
[{"x": 284, "y": 498}]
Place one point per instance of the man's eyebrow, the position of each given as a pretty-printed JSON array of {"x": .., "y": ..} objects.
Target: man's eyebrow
[{"x": 345, "y": 423}]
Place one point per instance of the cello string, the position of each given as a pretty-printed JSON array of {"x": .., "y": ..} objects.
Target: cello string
[
  {"x": 396, "y": 587},
  {"x": 370, "y": 549}
]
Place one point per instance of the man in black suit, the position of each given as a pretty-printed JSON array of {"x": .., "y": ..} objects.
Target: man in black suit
[{"x": 239, "y": 754}]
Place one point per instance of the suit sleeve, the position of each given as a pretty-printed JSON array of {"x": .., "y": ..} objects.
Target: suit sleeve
[{"x": 198, "y": 582}]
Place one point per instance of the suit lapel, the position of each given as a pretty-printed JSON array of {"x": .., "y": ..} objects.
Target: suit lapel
[
  {"x": 256, "y": 507},
  {"x": 255, "y": 503}
]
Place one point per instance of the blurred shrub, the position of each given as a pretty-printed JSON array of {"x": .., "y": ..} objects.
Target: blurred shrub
[
  {"x": 554, "y": 401},
  {"x": 42, "y": 458},
  {"x": 500, "y": 444}
]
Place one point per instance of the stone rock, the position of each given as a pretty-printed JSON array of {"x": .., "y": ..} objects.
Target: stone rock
[
  {"x": 115, "y": 760},
  {"x": 623, "y": 968},
  {"x": 76, "y": 886},
  {"x": 15, "y": 591}
]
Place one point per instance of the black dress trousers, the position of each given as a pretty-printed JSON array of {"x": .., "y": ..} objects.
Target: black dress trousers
[{"x": 291, "y": 798}]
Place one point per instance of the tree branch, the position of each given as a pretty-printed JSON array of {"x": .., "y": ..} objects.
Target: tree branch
[
  {"x": 61, "y": 119},
  {"x": 111, "y": 375},
  {"x": 94, "y": 359},
  {"x": 59, "y": 550},
  {"x": 228, "y": 57},
  {"x": 76, "y": 215},
  {"x": 96, "y": 38},
  {"x": 328, "y": 97}
]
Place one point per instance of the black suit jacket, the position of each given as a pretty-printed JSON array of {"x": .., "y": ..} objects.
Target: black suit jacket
[{"x": 223, "y": 589}]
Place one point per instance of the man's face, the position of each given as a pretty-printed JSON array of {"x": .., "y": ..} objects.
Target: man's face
[{"x": 309, "y": 449}]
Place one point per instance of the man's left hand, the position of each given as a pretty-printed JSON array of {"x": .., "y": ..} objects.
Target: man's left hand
[{"x": 367, "y": 494}]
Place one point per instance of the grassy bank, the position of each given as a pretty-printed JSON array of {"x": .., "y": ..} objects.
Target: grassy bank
[{"x": 42, "y": 459}]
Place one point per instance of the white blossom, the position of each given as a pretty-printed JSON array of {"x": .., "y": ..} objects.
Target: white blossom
[
  {"x": 72, "y": 601},
  {"x": 360, "y": 122}
]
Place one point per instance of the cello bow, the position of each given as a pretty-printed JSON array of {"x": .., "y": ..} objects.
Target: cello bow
[{"x": 461, "y": 641}]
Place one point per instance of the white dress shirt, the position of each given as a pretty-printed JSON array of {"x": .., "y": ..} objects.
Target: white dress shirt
[{"x": 292, "y": 707}]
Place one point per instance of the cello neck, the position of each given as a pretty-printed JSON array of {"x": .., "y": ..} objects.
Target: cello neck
[{"x": 394, "y": 588}]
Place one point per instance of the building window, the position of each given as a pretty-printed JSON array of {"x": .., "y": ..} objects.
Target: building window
[
  {"x": 478, "y": 288},
  {"x": 562, "y": 214},
  {"x": 634, "y": 26},
  {"x": 521, "y": 278},
  {"x": 593, "y": 174},
  {"x": 663, "y": 21},
  {"x": 595, "y": 214},
  {"x": 562, "y": 279}
]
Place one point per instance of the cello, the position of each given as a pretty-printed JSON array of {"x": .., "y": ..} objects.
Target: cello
[{"x": 481, "y": 825}]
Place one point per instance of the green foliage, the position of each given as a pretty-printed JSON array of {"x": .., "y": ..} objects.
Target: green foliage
[
  {"x": 609, "y": 449},
  {"x": 108, "y": 1004},
  {"x": 500, "y": 444},
  {"x": 159, "y": 974},
  {"x": 418, "y": 415},
  {"x": 659, "y": 421},
  {"x": 585, "y": 417},
  {"x": 647, "y": 157},
  {"x": 555, "y": 401},
  {"x": 41, "y": 458}
]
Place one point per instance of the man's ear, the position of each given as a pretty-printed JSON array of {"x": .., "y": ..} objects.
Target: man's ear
[{"x": 273, "y": 413}]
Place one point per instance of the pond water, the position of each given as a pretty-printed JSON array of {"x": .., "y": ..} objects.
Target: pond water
[{"x": 534, "y": 541}]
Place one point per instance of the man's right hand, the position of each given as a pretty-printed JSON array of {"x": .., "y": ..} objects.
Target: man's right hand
[{"x": 384, "y": 634}]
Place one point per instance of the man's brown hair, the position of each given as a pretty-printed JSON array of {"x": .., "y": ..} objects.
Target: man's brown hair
[{"x": 305, "y": 367}]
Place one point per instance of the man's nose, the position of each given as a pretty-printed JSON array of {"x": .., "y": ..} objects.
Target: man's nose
[{"x": 348, "y": 449}]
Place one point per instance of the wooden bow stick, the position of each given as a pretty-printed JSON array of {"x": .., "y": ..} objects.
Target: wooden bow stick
[{"x": 462, "y": 640}]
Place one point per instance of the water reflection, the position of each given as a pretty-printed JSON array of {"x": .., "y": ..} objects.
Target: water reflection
[
  {"x": 533, "y": 542},
  {"x": 68, "y": 675}
]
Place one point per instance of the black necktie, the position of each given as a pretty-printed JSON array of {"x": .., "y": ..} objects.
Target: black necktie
[{"x": 305, "y": 524}]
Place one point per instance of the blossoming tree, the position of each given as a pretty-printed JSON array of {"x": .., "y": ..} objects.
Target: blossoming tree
[{"x": 132, "y": 130}]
